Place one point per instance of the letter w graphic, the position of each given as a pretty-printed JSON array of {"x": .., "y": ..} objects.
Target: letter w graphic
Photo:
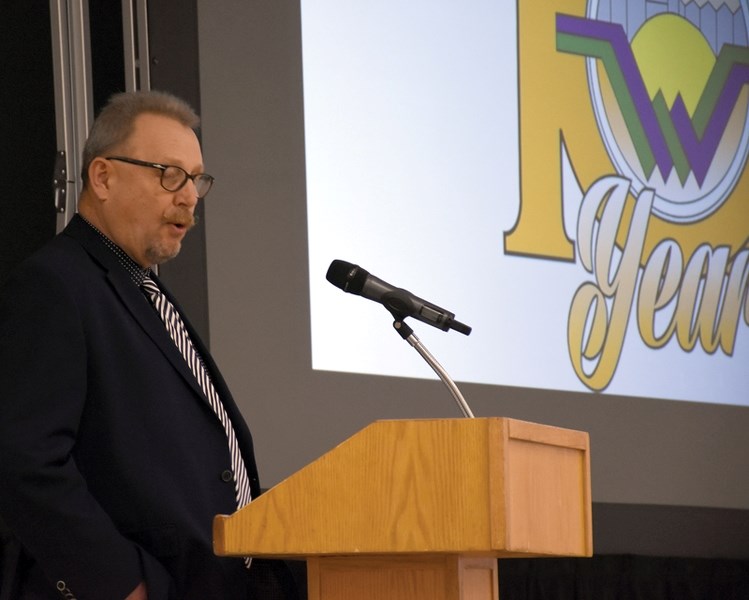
[{"x": 661, "y": 137}]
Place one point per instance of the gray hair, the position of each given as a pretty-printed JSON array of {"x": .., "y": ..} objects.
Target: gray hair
[{"x": 116, "y": 121}]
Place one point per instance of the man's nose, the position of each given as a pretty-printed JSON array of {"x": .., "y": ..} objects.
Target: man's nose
[{"x": 187, "y": 195}]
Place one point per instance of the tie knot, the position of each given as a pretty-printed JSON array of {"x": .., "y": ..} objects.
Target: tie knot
[
  {"x": 149, "y": 285},
  {"x": 151, "y": 289}
]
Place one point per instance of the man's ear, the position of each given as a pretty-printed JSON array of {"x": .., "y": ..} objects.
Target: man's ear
[{"x": 99, "y": 176}]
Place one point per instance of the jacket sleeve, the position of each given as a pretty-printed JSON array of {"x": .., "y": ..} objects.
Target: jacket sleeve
[{"x": 43, "y": 497}]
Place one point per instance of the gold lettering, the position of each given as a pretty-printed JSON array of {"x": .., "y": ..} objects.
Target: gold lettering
[
  {"x": 544, "y": 127},
  {"x": 706, "y": 298},
  {"x": 596, "y": 332},
  {"x": 737, "y": 292},
  {"x": 658, "y": 287},
  {"x": 710, "y": 301}
]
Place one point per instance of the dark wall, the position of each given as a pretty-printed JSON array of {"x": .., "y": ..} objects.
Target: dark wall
[
  {"x": 27, "y": 111},
  {"x": 173, "y": 46},
  {"x": 668, "y": 477}
]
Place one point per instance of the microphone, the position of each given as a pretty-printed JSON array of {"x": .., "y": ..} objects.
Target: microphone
[{"x": 401, "y": 303}]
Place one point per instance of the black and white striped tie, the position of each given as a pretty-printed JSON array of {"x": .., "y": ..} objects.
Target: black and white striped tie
[{"x": 178, "y": 333}]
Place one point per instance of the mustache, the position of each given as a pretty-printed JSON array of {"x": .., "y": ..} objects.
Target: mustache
[{"x": 181, "y": 217}]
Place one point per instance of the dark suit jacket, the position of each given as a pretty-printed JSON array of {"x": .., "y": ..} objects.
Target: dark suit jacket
[{"x": 111, "y": 459}]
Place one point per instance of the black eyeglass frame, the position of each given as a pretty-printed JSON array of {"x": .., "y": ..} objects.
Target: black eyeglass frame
[{"x": 162, "y": 167}]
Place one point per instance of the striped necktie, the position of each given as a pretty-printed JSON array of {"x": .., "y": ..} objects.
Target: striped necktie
[{"x": 178, "y": 333}]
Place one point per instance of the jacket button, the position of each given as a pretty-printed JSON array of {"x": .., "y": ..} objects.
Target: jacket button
[
  {"x": 227, "y": 476},
  {"x": 62, "y": 587}
]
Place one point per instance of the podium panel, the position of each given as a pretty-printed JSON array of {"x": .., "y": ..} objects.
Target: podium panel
[
  {"x": 547, "y": 491},
  {"x": 436, "y": 577}
]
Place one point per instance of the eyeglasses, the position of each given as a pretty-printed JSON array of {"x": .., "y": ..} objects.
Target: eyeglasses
[{"x": 173, "y": 178}]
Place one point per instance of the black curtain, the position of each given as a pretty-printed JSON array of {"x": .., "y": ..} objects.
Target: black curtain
[{"x": 623, "y": 578}]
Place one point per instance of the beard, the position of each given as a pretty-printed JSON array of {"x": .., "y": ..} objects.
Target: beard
[
  {"x": 158, "y": 254},
  {"x": 166, "y": 249}
]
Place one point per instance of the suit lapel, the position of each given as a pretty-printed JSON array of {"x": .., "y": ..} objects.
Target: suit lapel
[
  {"x": 133, "y": 299},
  {"x": 144, "y": 313}
]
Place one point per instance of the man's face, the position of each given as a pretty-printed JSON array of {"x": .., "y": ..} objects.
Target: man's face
[{"x": 145, "y": 220}]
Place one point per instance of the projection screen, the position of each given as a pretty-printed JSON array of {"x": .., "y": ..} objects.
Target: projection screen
[{"x": 540, "y": 176}]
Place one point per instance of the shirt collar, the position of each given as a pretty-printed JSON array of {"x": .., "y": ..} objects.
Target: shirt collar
[{"x": 137, "y": 273}]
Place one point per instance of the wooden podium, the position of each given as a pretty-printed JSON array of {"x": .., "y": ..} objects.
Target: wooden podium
[{"x": 419, "y": 509}]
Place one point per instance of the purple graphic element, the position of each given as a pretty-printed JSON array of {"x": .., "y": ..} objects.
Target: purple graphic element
[
  {"x": 700, "y": 153},
  {"x": 613, "y": 33}
]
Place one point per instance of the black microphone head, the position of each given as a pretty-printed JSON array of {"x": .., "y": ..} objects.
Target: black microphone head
[{"x": 350, "y": 278}]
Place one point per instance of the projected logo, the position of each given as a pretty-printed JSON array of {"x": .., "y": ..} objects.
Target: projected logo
[{"x": 644, "y": 107}]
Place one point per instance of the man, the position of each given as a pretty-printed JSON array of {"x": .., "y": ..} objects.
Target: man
[{"x": 119, "y": 440}]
